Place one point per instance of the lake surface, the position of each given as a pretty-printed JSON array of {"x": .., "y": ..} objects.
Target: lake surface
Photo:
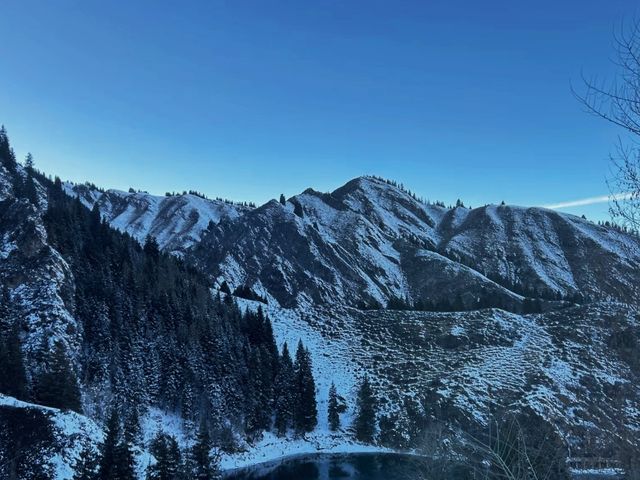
[
  {"x": 353, "y": 467},
  {"x": 363, "y": 466}
]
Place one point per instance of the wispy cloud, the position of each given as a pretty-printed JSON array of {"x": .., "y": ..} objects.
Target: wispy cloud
[{"x": 589, "y": 201}]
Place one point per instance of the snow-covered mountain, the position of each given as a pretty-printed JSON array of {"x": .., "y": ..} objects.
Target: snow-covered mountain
[
  {"x": 326, "y": 263},
  {"x": 370, "y": 241},
  {"x": 318, "y": 255},
  {"x": 175, "y": 221}
]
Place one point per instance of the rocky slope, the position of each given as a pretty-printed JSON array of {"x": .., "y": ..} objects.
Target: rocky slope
[
  {"x": 176, "y": 221},
  {"x": 369, "y": 241},
  {"x": 437, "y": 374},
  {"x": 42, "y": 442},
  {"x": 37, "y": 282},
  {"x": 576, "y": 367}
]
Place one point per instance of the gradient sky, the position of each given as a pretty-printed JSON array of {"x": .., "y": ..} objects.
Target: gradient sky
[{"x": 248, "y": 99}]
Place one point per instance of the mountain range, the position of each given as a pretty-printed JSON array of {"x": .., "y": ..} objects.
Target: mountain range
[
  {"x": 371, "y": 241},
  {"x": 453, "y": 312}
]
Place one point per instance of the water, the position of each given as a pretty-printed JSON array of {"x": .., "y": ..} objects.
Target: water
[
  {"x": 365, "y": 466},
  {"x": 354, "y": 467}
]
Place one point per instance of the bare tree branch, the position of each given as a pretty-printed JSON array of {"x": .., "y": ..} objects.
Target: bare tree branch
[{"x": 619, "y": 104}]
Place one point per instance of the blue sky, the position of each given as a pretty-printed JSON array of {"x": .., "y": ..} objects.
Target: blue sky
[{"x": 248, "y": 99}]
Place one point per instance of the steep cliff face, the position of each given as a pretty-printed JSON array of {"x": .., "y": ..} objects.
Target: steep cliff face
[{"x": 37, "y": 281}]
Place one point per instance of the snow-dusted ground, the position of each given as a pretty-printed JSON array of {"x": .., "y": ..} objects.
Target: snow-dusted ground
[
  {"x": 344, "y": 343},
  {"x": 271, "y": 448},
  {"x": 331, "y": 358},
  {"x": 331, "y": 363},
  {"x": 176, "y": 221},
  {"x": 74, "y": 432},
  {"x": 338, "y": 350},
  {"x": 602, "y": 472}
]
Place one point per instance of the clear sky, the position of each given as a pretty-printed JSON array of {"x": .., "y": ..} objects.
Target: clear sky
[{"x": 248, "y": 99}]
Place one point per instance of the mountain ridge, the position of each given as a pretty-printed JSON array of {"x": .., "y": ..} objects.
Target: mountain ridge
[
  {"x": 360, "y": 237},
  {"x": 528, "y": 252},
  {"x": 176, "y": 221}
]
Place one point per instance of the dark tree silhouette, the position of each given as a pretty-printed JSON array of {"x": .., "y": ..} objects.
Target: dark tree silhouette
[
  {"x": 365, "y": 421},
  {"x": 284, "y": 394},
  {"x": 57, "y": 386},
  {"x": 168, "y": 464},
  {"x": 305, "y": 411},
  {"x": 87, "y": 466},
  {"x": 203, "y": 465},
  {"x": 335, "y": 407},
  {"x": 13, "y": 381},
  {"x": 108, "y": 453}
]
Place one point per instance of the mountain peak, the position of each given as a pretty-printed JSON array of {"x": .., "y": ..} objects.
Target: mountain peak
[{"x": 371, "y": 241}]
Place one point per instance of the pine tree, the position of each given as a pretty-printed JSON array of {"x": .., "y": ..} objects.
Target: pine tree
[
  {"x": 151, "y": 247},
  {"x": 133, "y": 430},
  {"x": 13, "y": 380},
  {"x": 284, "y": 398},
  {"x": 168, "y": 464},
  {"x": 29, "y": 187},
  {"x": 365, "y": 421},
  {"x": 109, "y": 451},
  {"x": 203, "y": 467},
  {"x": 126, "y": 465},
  {"x": 283, "y": 200},
  {"x": 7, "y": 157},
  {"x": 117, "y": 461},
  {"x": 87, "y": 466},
  {"x": 57, "y": 386},
  {"x": 224, "y": 288},
  {"x": 28, "y": 162},
  {"x": 258, "y": 416},
  {"x": 305, "y": 411},
  {"x": 458, "y": 304},
  {"x": 333, "y": 409}
]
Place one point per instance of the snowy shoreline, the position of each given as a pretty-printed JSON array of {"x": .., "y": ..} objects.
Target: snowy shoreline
[{"x": 274, "y": 450}]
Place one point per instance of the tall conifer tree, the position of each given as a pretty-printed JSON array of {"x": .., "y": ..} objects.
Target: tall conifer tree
[
  {"x": 108, "y": 453},
  {"x": 203, "y": 467},
  {"x": 57, "y": 386},
  {"x": 365, "y": 422},
  {"x": 168, "y": 464},
  {"x": 13, "y": 380},
  {"x": 284, "y": 393},
  {"x": 306, "y": 411},
  {"x": 87, "y": 466},
  {"x": 333, "y": 410}
]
